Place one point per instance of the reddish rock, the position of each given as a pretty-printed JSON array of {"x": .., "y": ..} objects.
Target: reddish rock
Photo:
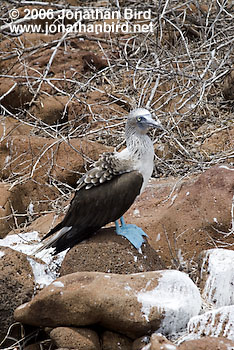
[
  {"x": 108, "y": 252},
  {"x": 140, "y": 343},
  {"x": 41, "y": 156},
  {"x": 50, "y": 109},
  {"x": 184, "y": 218},
  {"x": 207, "y": 343},
  {"x": 10, "y": 126},
  {"x": 35, "y": 159},
  {"x": 42, "y": 224},
  {"x": 75, "y": 338},
  {"x": 220, "y": 141},
  {"x": 17, "y": 286},
  {"x": 8, "y": 202}
]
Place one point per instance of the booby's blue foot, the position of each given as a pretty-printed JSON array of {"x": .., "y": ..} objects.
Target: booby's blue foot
[{"x": 132, "y": 232}]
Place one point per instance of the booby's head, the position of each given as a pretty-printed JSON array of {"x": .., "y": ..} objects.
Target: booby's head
[{"x": 140, "y": 120}]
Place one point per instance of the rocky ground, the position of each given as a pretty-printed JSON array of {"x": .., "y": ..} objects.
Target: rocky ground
[{"x": 64, "y": 98}]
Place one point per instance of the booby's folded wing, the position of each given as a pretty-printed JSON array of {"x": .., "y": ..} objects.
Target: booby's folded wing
[
  {"x": 95, "y": 207},
  {"x": 104, "y": 169}
]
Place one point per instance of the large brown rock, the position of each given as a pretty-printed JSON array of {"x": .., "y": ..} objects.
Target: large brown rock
[
  {"x": 108, "y": 252},
  {"x": 17, "y": 285},
  {"x": 129, "y": 304},
  {"x": 183, "y": 218}
]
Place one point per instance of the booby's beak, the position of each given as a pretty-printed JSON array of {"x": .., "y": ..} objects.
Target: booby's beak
[{"x": 151, "y": 123}]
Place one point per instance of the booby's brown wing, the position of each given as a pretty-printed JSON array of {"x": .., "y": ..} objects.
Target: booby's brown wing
[
  {"x": 93, "y": 208},
  {"x": 104, "y": 169}
]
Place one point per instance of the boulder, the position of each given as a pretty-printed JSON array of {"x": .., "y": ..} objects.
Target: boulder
[
  {"x": 217, "y": 276},
  {"x": 141, "y": 342},
  {"x": 75, "y": 338},
  {"x": 37, "y": 160},
  {"x": 114, "y": 341},
  {"x": 10, "y": 126},
  {"x": 44, "y": 266},
  {"x": 8, "y": 201},
  {"x": 48, "y": 157},
  {"x": 159, "y": 342},
  {"x": 183, "y": 218},
  {"x": 108, "y": 252},
  {"x": 228, "y": 85},
  {"x": 215, "y": 323},
  {"x": 17, "y": 285},
  {"x": 94, "y": 62},
  {"x": 15, "y": 94},
  {"x": 220, "y": 140},
  {"x": 132, "y": 305},
  {"x": 50, "y": 109},
  {"x": 211, "y": 343}
]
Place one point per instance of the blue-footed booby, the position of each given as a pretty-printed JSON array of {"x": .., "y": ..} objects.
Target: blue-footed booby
[{"x": 108, "y": 190}]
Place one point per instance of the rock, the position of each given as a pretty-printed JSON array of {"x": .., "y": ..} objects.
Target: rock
[
  {"x": 17, "y": 95},
  {"x": 214, "y": 323},
  {"x": 75, "y": 338},
  {"x": 211, "y": 343},
  {"x": 9, "y": 127},
  {"x": 108, "y": 252},
  {"x": 219, "y": 141},
  {"x": 94, "y": 62},
  {"x": 140, "y": 343},
  {"x": 115, "y": 341},
  {"x": 183, "y": 219},
  {"x": 17, "y": 285},
  {"x": 159, "y": 342},
  {"x": 228, "y": 86},
  {"x": 217, "y": 276},
  {"x": 132, "y": 305},
  {"x": 8, "y": 201},
  {"x": 48, "y": 157},
  {"x": 37, "y": 160},
  {"x": 44, "y": 265},
  {"x": 42, "y": 224},
  {"x": 50, "y": 109}
]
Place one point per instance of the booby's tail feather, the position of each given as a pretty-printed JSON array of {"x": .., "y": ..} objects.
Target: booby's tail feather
[{"x": 51, "y": 243}]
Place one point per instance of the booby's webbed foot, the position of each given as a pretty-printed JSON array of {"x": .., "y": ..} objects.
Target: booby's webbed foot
[{"x": 132, "y": 232}]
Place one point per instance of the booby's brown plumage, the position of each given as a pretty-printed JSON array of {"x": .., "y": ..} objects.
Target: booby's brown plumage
[{"x": 94, "y": 208}]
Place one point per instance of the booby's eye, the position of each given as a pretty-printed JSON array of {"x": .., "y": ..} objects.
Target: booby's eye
[{"x": 139, "y": 119}]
